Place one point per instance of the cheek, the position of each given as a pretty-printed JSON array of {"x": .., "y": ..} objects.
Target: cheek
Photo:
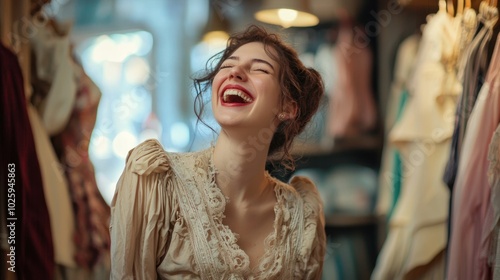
[
  {"x": 216, "y": 85},
  {"x": 274, "y": 92}
]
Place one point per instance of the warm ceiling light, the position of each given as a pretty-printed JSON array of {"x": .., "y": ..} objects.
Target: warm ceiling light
[
  {"x": 287, "y": 13},
  {"x": 216, "y": 36}
]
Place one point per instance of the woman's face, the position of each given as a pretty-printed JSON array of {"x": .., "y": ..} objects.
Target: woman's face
[{"x": 246, "y": 91}]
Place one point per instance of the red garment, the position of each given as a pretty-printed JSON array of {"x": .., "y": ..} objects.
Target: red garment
[
  {"x": 92, "y": 213},
  {"x": 34, "y": 253}
]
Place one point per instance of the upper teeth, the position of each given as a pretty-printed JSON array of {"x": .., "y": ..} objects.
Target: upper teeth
[{"x": 238, "y": 93}]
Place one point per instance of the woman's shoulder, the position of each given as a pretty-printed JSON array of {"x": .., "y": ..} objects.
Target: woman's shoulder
[
  {"x": 304, "y": 204},
  {"x": 305, "y": 187},
  {"x": 148, "y": 157},
  {"x": 302, "y": 188}
]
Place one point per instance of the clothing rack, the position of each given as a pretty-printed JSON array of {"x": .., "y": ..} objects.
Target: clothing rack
[
  {"x": 432, "y": 4},
  {"x": 22, "y": 24},
  {"x": 425, "y": 7}
]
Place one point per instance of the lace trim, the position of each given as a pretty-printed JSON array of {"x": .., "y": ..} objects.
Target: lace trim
[
  {"x": 208, "y": 261},
  {"x": 270, "y": 263},
  {"x": 215, "y": 247},
  {"x": 238, "y": 260}
]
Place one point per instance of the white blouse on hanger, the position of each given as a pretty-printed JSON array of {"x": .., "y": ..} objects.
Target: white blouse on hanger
[
  {"x": 405, "y": 59},
  {"x": 417, "y": 233},
  {"x": 54, "y": 66}
]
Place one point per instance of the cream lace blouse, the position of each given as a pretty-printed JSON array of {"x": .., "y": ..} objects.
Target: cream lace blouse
[{"x": 167, "y": 223}]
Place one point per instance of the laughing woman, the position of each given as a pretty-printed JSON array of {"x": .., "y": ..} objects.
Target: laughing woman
[{"x": 217, "y": 213}]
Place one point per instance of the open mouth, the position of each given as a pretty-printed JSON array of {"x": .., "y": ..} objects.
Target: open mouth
[{"x": 234, "y": 96}]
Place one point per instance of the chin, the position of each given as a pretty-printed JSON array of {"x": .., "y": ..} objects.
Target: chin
[
  {"x": 227, "y": 121},
  {"x": 230, "y": 124}
]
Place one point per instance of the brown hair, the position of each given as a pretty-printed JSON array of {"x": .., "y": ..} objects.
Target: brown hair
[{"x": 299, "y": 84}]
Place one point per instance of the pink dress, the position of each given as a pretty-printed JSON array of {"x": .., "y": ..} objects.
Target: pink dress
[
  {"x": 492, "y": 225},
  {"x": 352, "y": 109},
  {"x": 471, "y": 196}
]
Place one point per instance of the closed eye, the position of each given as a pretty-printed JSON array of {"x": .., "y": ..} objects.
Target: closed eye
[
  {"x": 262, "y": 70},
  {"x": 225, "y": 66}
]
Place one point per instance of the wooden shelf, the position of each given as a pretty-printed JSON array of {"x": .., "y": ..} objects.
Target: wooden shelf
[
  {"x": 364, "y": 151},
  {"x": 346, "y": 220},
  {"x": 368, "y": 142}
]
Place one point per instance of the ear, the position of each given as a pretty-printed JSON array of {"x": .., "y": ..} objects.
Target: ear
[{"x": 290, "y": 108}]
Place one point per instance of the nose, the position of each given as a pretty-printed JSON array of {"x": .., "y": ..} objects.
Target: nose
[{"x": 237, "y": 73}]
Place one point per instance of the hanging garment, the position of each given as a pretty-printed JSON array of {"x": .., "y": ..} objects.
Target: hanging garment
[
  {"x": 34, "y": 253},
  {"x": 167, "y": 221},
  {"x": 492, "y": 225},
  {"x": 67, "y": 102},
  {"x": 54, "y": 67},
  {"x": 56, "y": 193},
  {"x": 417, "y": 229},
  {"x": 386, "y": 196},
  {"x": 472, "y": 69},
  {"x": 471, "y": 192},
  {"x": 55, "y": 183},
  {"x": 92, "y": 213},
  {"x": 352, "y": 110},
  {"x": 488, "y": 16},
  {"x": 397, "y": 168}
]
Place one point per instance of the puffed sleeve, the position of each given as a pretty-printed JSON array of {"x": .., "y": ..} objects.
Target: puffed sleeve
[
  {"x": 140, "y": 213},
  {"x": 312, "y": 252}
]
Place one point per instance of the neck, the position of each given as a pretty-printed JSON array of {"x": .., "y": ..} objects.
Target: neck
[{"x": 240, "y": 162}]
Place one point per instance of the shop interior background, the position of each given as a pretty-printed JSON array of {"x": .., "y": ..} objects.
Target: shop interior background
[{"x": 141, "y": 54}]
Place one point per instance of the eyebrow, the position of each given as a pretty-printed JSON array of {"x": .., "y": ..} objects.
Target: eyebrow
[{"x": 255, "y": 60}]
